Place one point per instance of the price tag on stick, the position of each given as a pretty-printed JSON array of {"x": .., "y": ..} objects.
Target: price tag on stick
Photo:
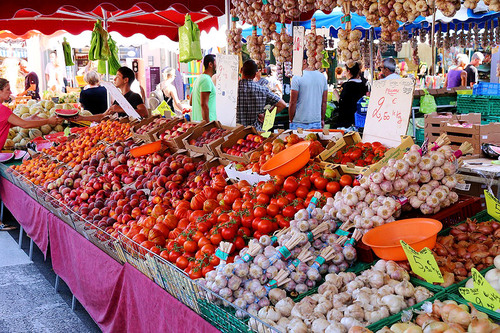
[
  {"x": 492, "y": 205},
  {"x": 423, "y": 263},
  {"x": 269, "y": 120},
  {"x": 482, "y": 294}
]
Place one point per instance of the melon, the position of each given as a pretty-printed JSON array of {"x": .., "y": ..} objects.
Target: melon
[
  {"x": 49, "y": 105},
  {"x": 12, "y": 132},
  {"x": 67, "y": 106},
  {"x": 23, "y": 110},
  {"x": 59, "y": 106},
  {"x": 35, "y": 133},
  {"x": 43, "y": 103},
  {"x": 85, "y": 113},
  {"x": 9, "y": 143},
  {"x": 24, "y": 142},
  {"x": 43, "y": 116},
  {"x": 59, "y": 128},
  {"x": 31, "y": 102},
  {"x": 24, "y": 131},
  {"x": 46, "y": 129},
  {"x": 54, "y": 132},
  {"x": 66, "y": 112},
  {"x": 17, "y": 138}
]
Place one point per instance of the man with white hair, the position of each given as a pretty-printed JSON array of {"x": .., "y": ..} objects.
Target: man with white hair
[
  {"x": 30, "y": 81},
  {"x": 471, "y": 69},
  {"x": 388, "y": 69}
]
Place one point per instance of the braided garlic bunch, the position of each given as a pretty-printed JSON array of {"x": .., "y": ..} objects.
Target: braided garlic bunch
[
  {"x": 257, "y": 48},
  {"x": 234, "y": 39},
  {"x": 315, "y": 44},
  {"x": 349, "y": 46}
]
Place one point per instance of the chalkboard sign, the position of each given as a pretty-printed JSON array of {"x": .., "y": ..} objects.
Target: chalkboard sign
[{"x": 389, "y": 111}]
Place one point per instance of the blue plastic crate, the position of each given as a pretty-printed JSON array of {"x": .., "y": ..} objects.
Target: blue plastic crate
[
  {"x": 486, "y": 88},
  {"x": 359, "y": 119}
]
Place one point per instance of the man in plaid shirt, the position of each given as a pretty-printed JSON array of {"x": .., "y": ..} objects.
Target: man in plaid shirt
[{"x": 252, "y": 98}]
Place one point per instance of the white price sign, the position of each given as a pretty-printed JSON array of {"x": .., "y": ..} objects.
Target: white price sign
[{"x": 298, "y": 50}]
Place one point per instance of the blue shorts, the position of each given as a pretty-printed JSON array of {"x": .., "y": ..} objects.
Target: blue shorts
[{"x": 316, "y": 125}]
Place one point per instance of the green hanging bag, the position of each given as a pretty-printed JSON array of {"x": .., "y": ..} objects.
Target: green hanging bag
[
  {"x": 189, "y": 41},
  {"x": 427, "y": 103}
]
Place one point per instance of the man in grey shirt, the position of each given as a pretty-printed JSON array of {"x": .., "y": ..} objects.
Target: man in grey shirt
[
  {"x": 388, "y": 69},
  {"x": 471, "y": 69}
]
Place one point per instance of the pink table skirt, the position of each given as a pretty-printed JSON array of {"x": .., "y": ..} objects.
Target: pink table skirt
[
  {"x": 118, "y": 297},
  {"x": 30, "y": 214}
]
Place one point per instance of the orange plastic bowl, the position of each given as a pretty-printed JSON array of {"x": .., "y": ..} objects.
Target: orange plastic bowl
[
  {"x": 288, "y": 161},
  {"x": 146, "y": 149},
  {"x": 419, "y": 233}
]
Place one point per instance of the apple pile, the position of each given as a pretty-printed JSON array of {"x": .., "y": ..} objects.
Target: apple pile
[
  {"x": 208, "y": 136},
  {"x": 176, "y": 131},
  {"x": 152, "y": 125},
  {"x": 244, "y": 145}
]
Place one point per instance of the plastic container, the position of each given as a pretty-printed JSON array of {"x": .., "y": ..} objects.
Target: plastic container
[
  {"x": 146, "y": 149},
  {"x": 359, "y": 119},
  {"x": 288, "y": 161},
  {"x": 418, "y": 233},
  {"x": 486, "y": 88},
  {"x": 472, "y": 103}
]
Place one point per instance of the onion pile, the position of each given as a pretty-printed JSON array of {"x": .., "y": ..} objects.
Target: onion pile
[
  {"x": 349, "y": 46},
  {"x": 257, "y": 48},
  {"x": 294, "y": 261},
  {"x": 345, "y": 300},
  {"x": 446, "y": 316},
  {"x": 314, "y": 46},
  {"x": 234, "y": 39},
  {"x": 413, "y": 182}
]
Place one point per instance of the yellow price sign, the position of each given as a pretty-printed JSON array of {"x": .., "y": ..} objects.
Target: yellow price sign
[
  {"x": 482, "y": 294},
  {"x": 67, "y": 131},
  {"x": 269, "y": 120},
  {"x": 492, "y": 205},
  {"x": 423, "y": 263},
  {"x": 266, "y": 134},
  {"x": 162, "y": 108}
]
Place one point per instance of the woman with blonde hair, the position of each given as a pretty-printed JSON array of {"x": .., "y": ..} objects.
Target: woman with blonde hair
[
  {"x": 168, "y": 89},
  {"x": 457, "y": 77},
  {"x": 94, "y": 97}
]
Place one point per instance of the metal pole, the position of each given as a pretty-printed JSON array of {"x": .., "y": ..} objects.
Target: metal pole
[
  {"x": 372, "y": 69},
  {"x": 227, "y": 4},
  {"x": 433, "y": 68}
]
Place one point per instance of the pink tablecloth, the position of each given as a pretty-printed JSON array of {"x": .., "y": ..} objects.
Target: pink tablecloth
[
  {"x": 29, "y": 213},
  {"x": 119, "y": 298}
]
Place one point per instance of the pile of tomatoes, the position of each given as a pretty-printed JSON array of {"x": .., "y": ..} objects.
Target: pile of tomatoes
[{"x": 360, "y": 154}]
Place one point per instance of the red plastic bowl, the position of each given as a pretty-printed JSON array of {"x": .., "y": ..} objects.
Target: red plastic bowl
[{"x": 288, "y": 161}]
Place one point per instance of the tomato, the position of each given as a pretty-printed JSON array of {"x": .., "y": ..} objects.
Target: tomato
[
  {"x": 355, "y": 182},
  {"x": 231, "y": 194},
  {"x": 313, "y": 177},
  {"x": 356, "y": 154},
  {"x": 320, "y": 183},
  {"x": 333, "y": 187},
  {"x": 210, "y": 193},
  {"x": 183, "y": 223},
  {"x": 273, "y": 210},
  {"x": 214, "y": 261},
  {"x": 181, "y": 262},
  {"x": 288, "y": 211},
  {"x": 282, "y": 202},
  {"x": 257, "y": 235},
  {"x": 302, "y": 191},
  {"x": 244, "y": 232},
  {"x": 247, "y": 204},
  {"x": 265, "y": 226},
  {"x": 209, "y": 205},
  {"x": 223, "y": 218},
  {"x": 197, "y": 201},
  {"x": 239, "y": 243},
  {"x": 208, "y": 248},
  {"x": 246, "y": 220},
  {"x": 195, "y": 273},
  {"x": 290, "y": 196},
  {"x": 218, "y": 183},
  {"x": 203, "y": 226},
  {"x": 262, "y": 199},
  {"x": 376, "y": 144},
  {"x": 207, "y": 269},
  {"x": 282, "y": 222},
  {"x": 216, "y": 239},
  {"x": 237, "y": 205},
  {"x": 268, "y": 188},
  {"x": 259, "y": 211},
  {"x": 196, "y": 216},
  {"x": 190, "y": 246},
  {"x": 197, "y": 236},
  {"x": 369, "y": 159},
  {"x": 279, "y": 180},
  {"x": 290, "y": 185},
  {"x": 172, "y": 256},
  {"x": 345, "y": 180},
  {"x": 360, "y": 163},
  {"x": 306, "y": 182},
  {"x": 203, "y": 241},
  {"x": 228, "y": 233},
  {"x": 345, "y": 160}
]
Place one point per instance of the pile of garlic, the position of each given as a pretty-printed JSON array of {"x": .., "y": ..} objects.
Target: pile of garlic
[
  {"x": 234, "y": 39},
  {"x": 345, "y": 300},
  {"x": 257, "y": 48},
  {"x": 314, "y": 45},
  {"x": 283, "y": 50},
  {"x": 349, "y": 46}
]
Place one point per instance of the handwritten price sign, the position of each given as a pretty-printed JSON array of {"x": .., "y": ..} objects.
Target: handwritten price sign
[
  {"x": 482, "y": 294},
  {"x": 423, "y": 263},
  {"x": 298, "y": 50},
  {"x": 492, "y": 205},
  {"x": 268, "y": 122},
  {"x": 389, "y": 111}
]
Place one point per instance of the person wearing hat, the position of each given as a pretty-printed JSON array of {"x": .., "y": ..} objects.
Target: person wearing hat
[{"x": 471, "y": 69}]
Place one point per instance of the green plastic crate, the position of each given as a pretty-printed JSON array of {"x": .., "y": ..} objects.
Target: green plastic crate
[
  {"x": 446, "y": 100},
  {"x": 494, "y": 108},
  {"x": 472, "y": 103},
  {"x": 495, "y": 316},
  {"x": 485, "y": 120},
  {"x": 222, "y": 317},
  {"x": 419, "y": 136},
  {"x": 454, "y": 287}
]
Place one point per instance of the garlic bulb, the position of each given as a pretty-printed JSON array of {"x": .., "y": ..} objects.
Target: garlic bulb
[
  {"x": 283, "y": 50},
  {"x": 349, "y": 46},
  {"x": 234, "y": 39},
  {"x": 314, "y": 45},
  {"x": 257, "y": 48}
]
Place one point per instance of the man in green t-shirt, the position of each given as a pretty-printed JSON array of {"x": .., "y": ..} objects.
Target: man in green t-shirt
[{"x": 203, "y": 95}]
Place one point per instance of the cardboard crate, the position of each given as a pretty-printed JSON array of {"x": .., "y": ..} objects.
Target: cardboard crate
[
  {"x": 353, "y": 138},
  {"x": 232, "y": 140},
  {"x": 459, "y": 135},
  {"x": 490, "y": 133},
  {"x": 177, "y": 142},
  {"x": 475, "y": 189},
  {"x": 145, "y": 137},
  {"x": 434, "y": 121},
  {"x": 209, "y": 149}
]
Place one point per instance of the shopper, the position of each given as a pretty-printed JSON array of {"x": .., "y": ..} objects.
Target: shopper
[
  {"x": 457, "y": 77},
  {"x": 471, "y": 69},
  {"x": 274, "y": 83},
  {"x": 93, "y": 97},
  {"x": 53, "y": 75},
  {"x": 9, "y": 119},
  {"x": 260, "y": 80},
  {"x": 352, "y": 90},
  {"x": 123, "y": 79},
  {"x": 31, "y": 87},
  {"x": 169, "y": 91},
  {"x": 388, "y": 69},
  {"x": 308, "y": 99},
  {"x": 203, "y": 93},
  {"x": 252, "y": 98}
]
